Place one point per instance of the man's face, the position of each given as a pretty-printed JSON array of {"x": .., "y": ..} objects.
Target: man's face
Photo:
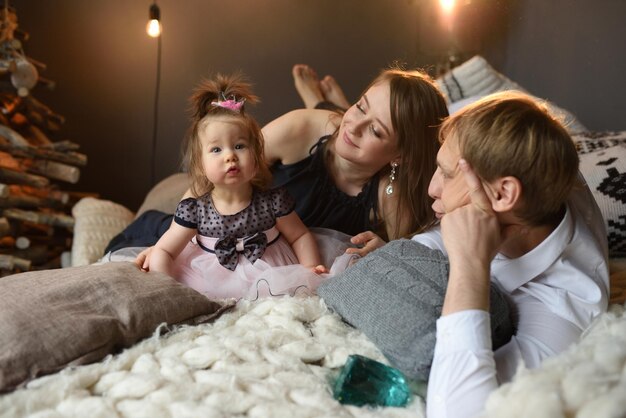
[{"x": 448, "y": 186}]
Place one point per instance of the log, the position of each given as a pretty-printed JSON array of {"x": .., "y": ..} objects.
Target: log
[
  {"x": 37, "y": 137},
  {"x": 37, "y": 109},
  {"x": 9, "y": 262},
  {"x": 63, "y": 146},
  {"x": 52, "y": 169},
  {"x": 71, "y": 158},
  {"x": 4, "y": 190},
  {"x": 36, "y": 230},
  {"x": 47, "y": 193},
  {"x": 53, "y": 219},
  {"x": 7, "y": 161},
  {"x": 14, "y": 138},
  {"x": 19, "y": 120},
  {"x": 29, "y": 202},
  {"x": 7, "y": 242},
  {"x": 17, "y": 177},
  {"x": 5, "y": 227},
  {"x": 12, "y": 103}
]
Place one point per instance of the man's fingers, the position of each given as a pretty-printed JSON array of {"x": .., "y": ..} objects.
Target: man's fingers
[{"x": 476, "y": 191}]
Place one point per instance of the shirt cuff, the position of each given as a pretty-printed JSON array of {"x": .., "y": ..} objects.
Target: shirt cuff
[{"x": 468, "y": 330}]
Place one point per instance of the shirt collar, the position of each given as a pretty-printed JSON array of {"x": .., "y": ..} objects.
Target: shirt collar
[{"x": 512, "y": 273}]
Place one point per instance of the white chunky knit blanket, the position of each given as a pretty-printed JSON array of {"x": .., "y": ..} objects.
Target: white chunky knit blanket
[
  {"x": 277, "y": 358},
  {"x": 271, "y": 358},
  {"x": 586, "y": 381}
]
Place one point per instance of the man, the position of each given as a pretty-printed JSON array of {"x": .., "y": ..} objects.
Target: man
[{"x": 513, "y": 210}]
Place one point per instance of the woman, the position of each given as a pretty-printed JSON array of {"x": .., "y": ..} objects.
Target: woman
[{"x": 364, "y": 172}]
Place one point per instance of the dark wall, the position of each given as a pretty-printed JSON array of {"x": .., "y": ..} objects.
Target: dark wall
[
  {"x": 104, "y": 64},
  {"x": 572, "y": 52}
]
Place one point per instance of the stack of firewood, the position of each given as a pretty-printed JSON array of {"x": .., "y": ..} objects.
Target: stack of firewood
[{"x": 35, "y": 213}]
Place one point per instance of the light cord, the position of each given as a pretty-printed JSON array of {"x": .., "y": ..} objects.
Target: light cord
[{"x": 155, "y": 116}]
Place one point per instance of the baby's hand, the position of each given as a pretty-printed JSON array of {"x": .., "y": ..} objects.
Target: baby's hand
[
  {"x": 143, "y": 259},
  {"x": 319, "y": 269}
]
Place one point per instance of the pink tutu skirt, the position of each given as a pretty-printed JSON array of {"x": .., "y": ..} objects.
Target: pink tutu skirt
[{"x": 277, "y": 273}]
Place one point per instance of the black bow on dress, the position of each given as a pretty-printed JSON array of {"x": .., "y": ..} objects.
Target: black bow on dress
[{"x": 228, "y": 254}]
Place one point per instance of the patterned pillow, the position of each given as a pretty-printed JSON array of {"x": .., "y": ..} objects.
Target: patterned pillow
[{"x": 603, "y": 165}]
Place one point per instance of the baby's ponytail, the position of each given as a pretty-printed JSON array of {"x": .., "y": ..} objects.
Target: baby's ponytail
[{"x": 222, "y": 94}]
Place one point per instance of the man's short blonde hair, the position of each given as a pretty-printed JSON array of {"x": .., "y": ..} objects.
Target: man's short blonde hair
[{"x": 513, "y": 134}]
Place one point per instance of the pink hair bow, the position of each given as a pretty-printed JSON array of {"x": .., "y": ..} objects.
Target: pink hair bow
[{"x": 231, "y": 103}]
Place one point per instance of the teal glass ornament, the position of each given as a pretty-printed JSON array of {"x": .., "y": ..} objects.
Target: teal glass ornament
[{"x": 363, "y": 381}]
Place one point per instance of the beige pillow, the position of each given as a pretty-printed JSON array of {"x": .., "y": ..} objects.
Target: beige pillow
[
  {"x": 166, "y": 194},
  {"x": 96, "y": 223},
  {"x": 51, "y": 319}
]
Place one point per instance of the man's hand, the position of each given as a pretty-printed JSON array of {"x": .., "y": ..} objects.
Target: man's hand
[
  {"x": 472, "y": 233},
  {"x": 472, "y": 237}
]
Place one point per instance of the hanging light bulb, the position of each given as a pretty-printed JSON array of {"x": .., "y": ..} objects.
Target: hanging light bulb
[
  {"x": 447, "y": 6},
  {"x": 154, "y": 25}
]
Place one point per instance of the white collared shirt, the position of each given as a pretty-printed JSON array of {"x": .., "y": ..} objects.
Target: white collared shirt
[{"x": 556, "y": 290}]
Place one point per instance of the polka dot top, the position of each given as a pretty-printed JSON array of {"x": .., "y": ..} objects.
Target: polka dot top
[{"x": 258, "y": 216}]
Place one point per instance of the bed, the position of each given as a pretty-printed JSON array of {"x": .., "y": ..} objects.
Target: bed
[{"x": 277, "y": 357}]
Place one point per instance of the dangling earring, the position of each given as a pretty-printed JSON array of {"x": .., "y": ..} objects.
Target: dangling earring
[{"x": 392, "y": 177}]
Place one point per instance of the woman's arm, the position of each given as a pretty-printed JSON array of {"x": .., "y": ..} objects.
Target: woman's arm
[
  {"x": 168, "y": 248},
  {"x": 301, "y": 240},
  {"x": 289, "y": 137}
]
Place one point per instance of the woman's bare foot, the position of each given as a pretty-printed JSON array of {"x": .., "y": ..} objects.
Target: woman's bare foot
[
  {"x": 333, "y": 93},
  {"x": 307, "y": 85}
]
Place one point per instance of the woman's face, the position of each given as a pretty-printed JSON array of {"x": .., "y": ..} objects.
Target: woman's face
[{"x": 366, "y": 136}]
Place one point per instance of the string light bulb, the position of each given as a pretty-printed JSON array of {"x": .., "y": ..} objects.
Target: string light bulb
[
  {"x": 447, "y": 5},
  {"x": 154, "y": 25}
]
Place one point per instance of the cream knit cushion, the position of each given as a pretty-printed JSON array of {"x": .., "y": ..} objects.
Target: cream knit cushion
[
  {"x": 476, "y": 78},
  {"x": 165, "y": 195},
  {"x": 96, "y": 223}
]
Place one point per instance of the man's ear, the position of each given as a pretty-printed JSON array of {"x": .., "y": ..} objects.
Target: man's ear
[{"x": 504, "y": 193}]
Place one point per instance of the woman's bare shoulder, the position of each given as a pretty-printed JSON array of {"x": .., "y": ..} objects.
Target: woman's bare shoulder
[{"x": 289, "y": 137}]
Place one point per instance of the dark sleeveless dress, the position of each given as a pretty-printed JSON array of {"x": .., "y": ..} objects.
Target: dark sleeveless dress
[{"x": 319, "y": 202}]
